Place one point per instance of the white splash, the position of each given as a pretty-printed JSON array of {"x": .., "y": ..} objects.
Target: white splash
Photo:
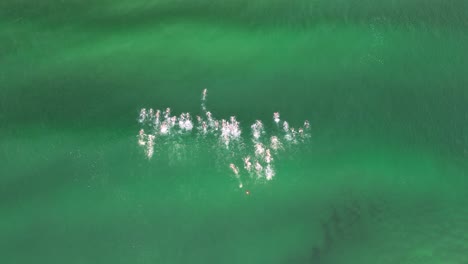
[
  {"x": 275, "y": 143},
  {"x": 257, "y": 156},
  {"x": 276, "y": 117},
  {"x": 257, "y": 129},
  {"x": 269, "y": 173},
  {"x": 247, "y": 164}
]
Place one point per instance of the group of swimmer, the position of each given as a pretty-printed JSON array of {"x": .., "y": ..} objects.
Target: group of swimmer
[{"x": 260, "y": 163}]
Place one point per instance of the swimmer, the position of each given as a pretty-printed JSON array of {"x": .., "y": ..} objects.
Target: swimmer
[
  {"x": 141, "y": 138},
  {"x": 172, "y": 121},
  {"x": 182, "y": 121},
  {"x": 285, "y": 126},
  {"x": 231, "y": 128},
  {"x": 188, "y": 123},
  {"x": 234, "y": 121},
  {"x": 142, "y": 115},
  {"x": 257, "y": 129},
  {"x": 275, "y": 143},
  {"x": 149, "y": 152},
  {"x": 150, "y": 146},
  {"x": 167, "y": 113},
  {"x": 306, "y": 124},
  {"x": 258, "y": 168},
  {"x": 294, "y": 135},
  {"x": 258, "y": 124},
  {"x": 204, "y": 93},
  {"x": 204, "y": 127},
  {"x": 151, "y": 140},
  {"x": 234, "y": 169},
  {"x": 269, "y": 173},
  {"x": 156, "y": 117},
  {"x": 164, "y": 128},
  {"x": 276, "y": 117},
  {"x": 247, "y": 163},
  {"x": 225, "y": 139},
  {"x": 301, "y": 132},
  {"x": 210, "y": 119},
  {"x": 259, "y": 149},
  {"x": 268, "y": 158},
  {"x": 224, "y": 129},
  {"x": 235, "y": 132},
  {"x": 288, "y": 135}
]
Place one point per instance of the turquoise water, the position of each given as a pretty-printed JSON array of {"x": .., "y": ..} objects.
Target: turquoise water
[{"x": 382, "y": 179}]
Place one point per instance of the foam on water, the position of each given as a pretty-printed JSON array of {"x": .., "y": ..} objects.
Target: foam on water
[{"x": 256, "y": 157}]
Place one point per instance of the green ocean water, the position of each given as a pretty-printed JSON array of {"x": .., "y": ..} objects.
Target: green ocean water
[{"x": 383, "y": 178}]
